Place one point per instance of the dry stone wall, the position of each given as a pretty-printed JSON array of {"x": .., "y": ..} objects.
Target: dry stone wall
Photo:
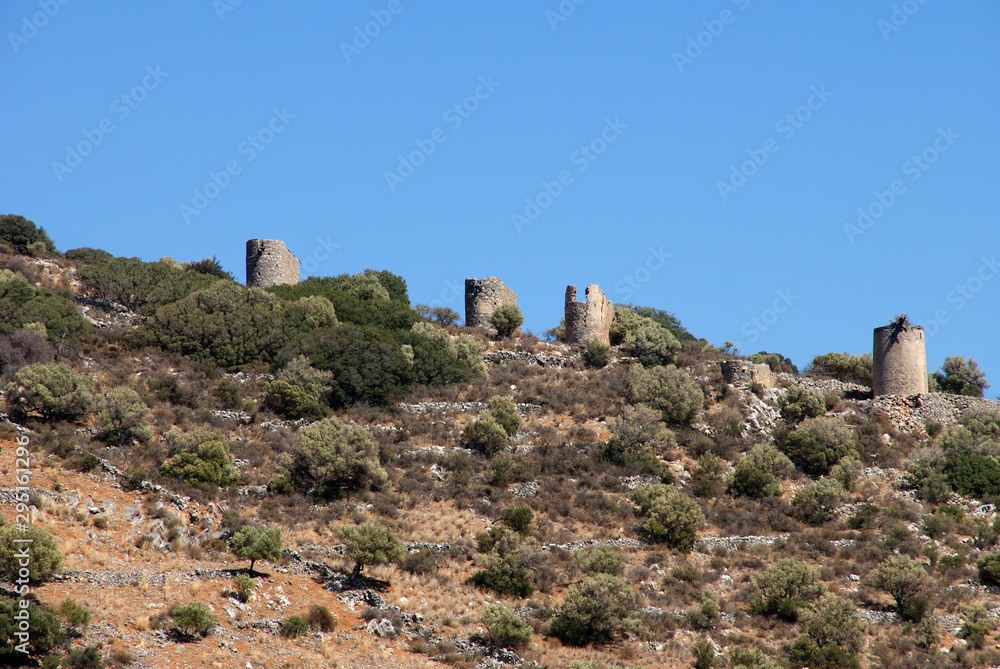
[
  {"x": 270, "y": 263},
  {"x": 590, "y": 319}
]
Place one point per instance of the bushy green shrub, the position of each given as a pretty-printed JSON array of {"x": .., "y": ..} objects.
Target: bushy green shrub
[
  {"x": 637, "y": 434},
  {"x": 668, "y": 390},
  {"x": 88, "y": 657},
  {"x": 45, "y": 633},
  {"x": 989, "y": 568},
  {"x": 23, "y": 236},
  {"x": 976, "y": 624},
  {"x": 485, "y": 434},
  {"x": 300, "y": 390},
  {"x": 600, "y": 559},
  {"x": 420, "y": 562},
  {"x": 643, "y": 338},
  {"x": 833, "y": 636},
  {"x": 818, "y": 443},
  {"x": 257, "y": 543},
  {"x": 504, "y": 411},
  {"x": 143, "y": 286},
  {"x": 50, "y": 389},
  {"x": 506, "y": 319},
  {"x": 750, "y": 658},
  {"x": 507, "y": 568},
  {"x": 759, "y": 472},
  {"x": 311, "y": 312},
  {"x": 75, "y": 613},
  {"x": 443, "y": 316},
  {"x": 797, "y": 404},
  {"x": 88, "y": 256},
  {"x": 664, "y": 319},
  {"x": 703, "y": 654},
  {"x": 121, "y": 419},
  {"x": 440, "y": 359},
  {"x": 294, "y": 627},
  {"x": 504, "y": 627},
  {"x": 356, "y": 299},
  {"x": 201, "y": 457},
  {"x": 706, "y": 615},
  {"x": 22, "y": 304},
  {"x": 320, "y": 618},
  {"x": 599, "y": 609},
  {"x": 518, "y": 518},
  {"x": 784, "y": 588},
  {"x": 191, "y": 621},
  {"x": 242, "y": 586},
  {"x": 817, "y": 502},
  {"x": 44, "y": 556},
  {"x": 371, "y": 544},
  {"x": 844, "y": 367},
  {"x": 777, "y": 362},
  {"x": 597, "y": 354},
  {"x": 333, "y": 457},
  {"x": 905, "y": 580},
  {"x": 959, "y": 376},
  {"x": 673, "y": 518},
  {"x": 706, "y": 480}
]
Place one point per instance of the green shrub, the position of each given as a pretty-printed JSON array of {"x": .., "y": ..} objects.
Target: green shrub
[
  {"x": 777, "y": 362},
  {"x": 975, "y": 626},
  {"x": 51, "y": 312},
  {"x": 320, "y": 618},
  {"x": 357, "y": 300},
  {"x": 518, "y": 518},
  {"x": 636, "y": 435},
  {"x": 84, "y": 658},
  {"x": 143, "y": 286},
  {"x": 664, "y": 319},
  {"x": 989, "y": 569},
  {"x": 191, "y": 621},
  {"x": 242, "y": 586},
  {"x": 334, "y": 457},
  {"x": 45, "y": 633},
  {"x": 52, "y": 390},
  {"x": 44, "y": 556},
  {"x": 504, "y": 411},
  {"x": 759, "y": 472},
  {"x": 750, "y": 658},
  {"x": 706, "y": 615},
  {"x": 818, "y": 443},
  {"x": 600, "y": 559},
  {"x": 817, "y": 502},
  {"x": 599, "y": 609},
  {"x": 666, "y": 389},
  {"x": 290, "y": 401},
  {"x": 704, "y": 655},
  {"x": 443, "y": 316},
  {"x": 294, "y": 627},
  {"x": 784, "y": 589},
  {"x": 121, "y": 419},
  {"x": 597, "y": 354},
  {"x": 23, "y": 236},
  {"x": 643, "y": 338},
  {"x": 706, "y": 480},
  {"x": 847, "y": 471},
  {"x": 504, "y": 627},
  {"x": 507, "y": 568},
  {"x": 420, "y": 562},
  {"x": 673, "y": 518},
  {"x": 959, "y": 376},
  {"x": 257, "y": 543},
  {"x": 485, "y": 434},
  {"x": 440, "y": 359},
  {"x": 506, "y": 319},
  {"x": 833, "y": 636},
  {"x": 371, "y": 544},
  {"x": 75, "y": 613},
  {"x": 209, "y": 463},
  {"x": 905, "y": 580},
  {"x": 797, "y": 404},
  {"x": 844, "y": 367},
  {"x": 88, "y": 256}
]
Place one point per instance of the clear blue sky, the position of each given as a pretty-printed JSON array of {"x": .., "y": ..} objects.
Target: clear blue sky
[{"x": 833, "y": 100}]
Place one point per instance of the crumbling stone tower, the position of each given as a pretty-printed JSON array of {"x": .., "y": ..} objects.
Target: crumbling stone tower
[
  {"x": 590, "y": 319},
  {"x": 482, "y": 297},
  {"x": 270, "y": 263},
  {"x": 899, "y": 359}
]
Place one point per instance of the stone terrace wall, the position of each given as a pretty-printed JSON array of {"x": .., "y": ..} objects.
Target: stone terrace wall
[
  {"x": 590, "y": 319},
  {"x": 270, "y": 263}
]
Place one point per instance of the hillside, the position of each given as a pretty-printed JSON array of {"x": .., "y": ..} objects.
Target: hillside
[{"x": 661, "y": 502}]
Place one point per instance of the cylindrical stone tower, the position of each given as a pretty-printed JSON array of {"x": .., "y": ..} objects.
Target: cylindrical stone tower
[
  {"x": 899, "y": 359},
  {"x": 482, "y": 297},
  {"x": 270, "y": 263}
]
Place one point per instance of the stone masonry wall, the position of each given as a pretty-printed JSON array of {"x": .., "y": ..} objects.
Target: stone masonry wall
[
  {"x": 899, "y": 360},
  {"x": 590, "y": 319},
  {"x": 270, "y": 263},
  {"x": 482, "y": 297}
]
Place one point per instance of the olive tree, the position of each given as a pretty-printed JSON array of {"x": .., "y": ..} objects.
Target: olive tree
[
  {"x": 371, "y": 544},
  {"x": 257, "y": 543}
]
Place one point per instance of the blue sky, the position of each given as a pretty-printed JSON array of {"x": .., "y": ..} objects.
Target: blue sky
[{"x": 784, "y": 177}]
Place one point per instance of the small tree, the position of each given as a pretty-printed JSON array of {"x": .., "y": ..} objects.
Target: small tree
[
  {"x": 46, "y": 632},
  {"x": 257, "y": 543},
  {"x": 51, "y": 389},
  {"x": 843, "y": 367},
  {"x": 759, "y": 471},
  {"x": 599, "y": 609},
  {"x": 485, "y": 434},
  {"x": 704, "y": 655},
  {"x": 906, "y": 581},
  {"x": 191, "y": 621},
  {"x": 23, "y": 236},
  {"x": 673, "y": 518},
  {"x": 371, "y": 544},
  {"x": 600, "y": 559},
  {"x": 210, "y": 463},
  {"x": 507, "y": 568},
  {"x": 506, "y": 319},
  {"x": 784, "y": 588},
  {"x": 959, "y": 376},
  {"x": 833, "y": 636},
  {"x": 816, "y": 503},
  {"x": 121, "y": 419},
  {"x": 668, "y": 390},
  {"x": 634, "y": 436},
  {"x": 504, "y": 627},
  {"x": 44, "y": 557},
  {"x": 818, "y": 443},
  {"x": 336, "y": 457}
]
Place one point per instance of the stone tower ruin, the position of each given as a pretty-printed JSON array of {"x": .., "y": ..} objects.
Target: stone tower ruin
[
  {"x": 590, "y": 319},
  {"x": 482, "y": 297},
  {"x": 899, "y": 359},
  {"x": 270, "y": 263}
]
